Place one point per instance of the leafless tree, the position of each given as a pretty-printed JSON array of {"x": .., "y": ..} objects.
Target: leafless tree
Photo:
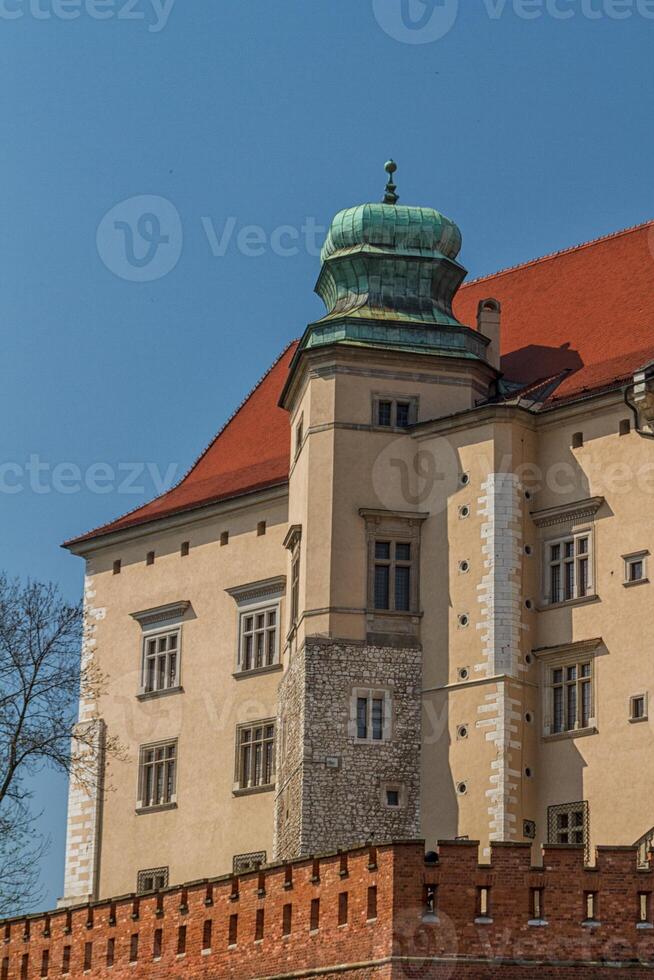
[{"x": 41, "y": 678}]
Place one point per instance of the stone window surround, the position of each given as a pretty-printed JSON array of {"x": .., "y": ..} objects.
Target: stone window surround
[
  {"x": 413, "y": 401},
  {"x": 630, "y": 559},
  {"x": 399, "y": 788},
  {"x": 238, "y": 789},
  {"x": 571, "y": 520},
  {"x": 384, "y": 694},
  {"x": 159, "y": 620},
  {"x": 250, "y": 599},
  {"x": 403, "y": 526},
  {"x": 644, "y": 717},
  {"x": 563, "y": 656},
  {"x": 158, "y": 807},
  {"x": 293, "y": 543}
]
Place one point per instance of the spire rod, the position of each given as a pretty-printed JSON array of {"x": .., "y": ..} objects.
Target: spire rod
[{"x": 390, "y": 196}]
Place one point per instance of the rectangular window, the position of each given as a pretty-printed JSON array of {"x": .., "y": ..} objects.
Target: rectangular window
[
  {"x": 259, "y": 642},
  {"x": 315, "y": 914},
  {"x": 569, "y": 568},
  {"x": 153, "y": 880},
  {"x": 372, "y": 721},
  {"x": 158, "y": 775},
  {"x": 161, "y": 661},
  {"x": 295, "y": 587},
  {"x": 372, "y": 903},
  {"x": 342, "y": 908},
  {"x": 567, "y": 823},
  {"x": 635, "y": 568},
  {"x": 287, "y": 920},
  {"x": 571, "y": 688},
  {"x": 638, "y": 710},
  {"x": 396, "y": 413},
  {"x": 299, "y": 436},
  {"x": 256, "y": 755},
  {"x": 392, "y": 579}
]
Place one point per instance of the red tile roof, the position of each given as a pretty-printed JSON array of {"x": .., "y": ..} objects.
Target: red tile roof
[{"x": 585, "y": 314}]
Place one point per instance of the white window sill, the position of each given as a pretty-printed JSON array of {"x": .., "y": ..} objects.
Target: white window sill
[
  {"x": 638, "y": 581},
  {"x": 253, "y": 790},
  {"x": 240, "y": 675},
  {"x": 582, "y": 601},
  {"x": 538, "y": 923},
  {"x": 574, "y": 733},
  {"x": 644, "y": 925},
  {"x": 591, "y": 924},
  {"x": 483, "y": 920},
  {"x": 164, "y": 693},
  {"x": 161, "y": 808}
]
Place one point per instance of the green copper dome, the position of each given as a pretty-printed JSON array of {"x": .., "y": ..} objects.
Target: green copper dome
[
  {"x": 412, "y": 231},
  {"x": 389, "y": 276}
]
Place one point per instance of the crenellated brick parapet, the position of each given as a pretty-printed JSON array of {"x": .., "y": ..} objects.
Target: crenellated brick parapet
[{"x": 373, "y": 912}]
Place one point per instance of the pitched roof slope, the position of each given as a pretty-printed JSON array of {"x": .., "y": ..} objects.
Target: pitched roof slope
[
  {"x": 251, "y": 452},
  {"x": 584, "y": 315},
  {"x": 588, "y": 310}
]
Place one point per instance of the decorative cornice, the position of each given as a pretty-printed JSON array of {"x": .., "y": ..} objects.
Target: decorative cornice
[
  {"x": 269, "y": 588},
  {"x": 577, "y": 511},
  {"x": 293, "y": 536},
  {"x": 375, "y": 514},
  {"x": 573, "y": 649},
  {"x": 162, "y": 614}
]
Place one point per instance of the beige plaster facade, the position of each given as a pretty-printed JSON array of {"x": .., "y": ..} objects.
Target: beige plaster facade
[{"x": 480, "y": 490}]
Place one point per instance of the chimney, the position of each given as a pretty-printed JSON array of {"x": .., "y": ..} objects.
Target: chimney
[{"x": 488, "y": 322}]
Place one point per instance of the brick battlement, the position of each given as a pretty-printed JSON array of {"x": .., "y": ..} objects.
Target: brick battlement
[{"x": 374, "y": 912}]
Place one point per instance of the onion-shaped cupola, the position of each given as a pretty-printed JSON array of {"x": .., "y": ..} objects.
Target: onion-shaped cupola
[
  {"x": 389, "y": 275},
  {"x": 390, "y": 261}
]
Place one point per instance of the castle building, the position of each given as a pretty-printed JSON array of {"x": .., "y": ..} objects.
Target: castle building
[{"x": 405, "y": 592}]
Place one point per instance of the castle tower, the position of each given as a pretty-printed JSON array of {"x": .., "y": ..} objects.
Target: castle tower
[{"x": 366, "y": 515}]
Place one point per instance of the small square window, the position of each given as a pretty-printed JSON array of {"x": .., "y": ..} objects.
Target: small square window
[
  {"x": 261, "y": 528},
  {"x": 149, "y": 559},
  {"x": 154, "y": 880},
  {"x": 224, "y": 538},
  {"x": 117, "y": 566},
  {"x": 635, "y": 568},
  {"x": 577, "y": 440},
  {"x": 638, "y": 711},
  {"x": 398, "y": 413},
  {"x": 625, "y": 427},
  {"x": 184, "y": 548},
  {"x": 393, "y": 797}
]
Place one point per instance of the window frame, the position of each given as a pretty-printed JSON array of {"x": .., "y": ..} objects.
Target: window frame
[
  {"x": 396, "y": 529},
  {"x": 156, "y": 633},
  {"x": 636, "y": 719},
  {"x": 371, "y": 695},
  {"x": 560, "y": 809},
  {"x": 563, "y": 562},
  {"x": 575, "y": 656},
  {"x": 243, "y": 786},
  {"x": 394, "y": 399},
  {"x": 155, "y": 873},
  {"x": 630, "y": 561},
  {"x": 171, "y": 801},
  {"x": 252, "y": 599},
  {"x": 393, "y": 564},
  {"x": 251, "y": 611}
]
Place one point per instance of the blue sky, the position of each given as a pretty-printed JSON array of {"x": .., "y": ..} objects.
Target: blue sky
[{"x": 527, "y": 121}]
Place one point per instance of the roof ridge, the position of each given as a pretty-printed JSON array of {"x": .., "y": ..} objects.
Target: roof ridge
[
  {"x": 201, "y": 456},
  {"x": 562, "y": 251}
]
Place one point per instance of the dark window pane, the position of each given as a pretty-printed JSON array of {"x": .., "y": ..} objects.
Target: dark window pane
[
  {"x": 382, "y": 550},
  {"x": 384, "y": 412},
  {"x": 377, "y": 719},
  {"x": 362, "y": 717},
  {"x": 402, "y": 417},
  {"x": 402, "y": 552},
  {"x": 402, "y": 588},
  {"x": 381, "y": 586}
]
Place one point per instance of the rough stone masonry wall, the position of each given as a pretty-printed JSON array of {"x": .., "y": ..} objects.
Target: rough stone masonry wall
[
  {"x": 342, "y": 781},
  {"x": 360, "y": 915}
]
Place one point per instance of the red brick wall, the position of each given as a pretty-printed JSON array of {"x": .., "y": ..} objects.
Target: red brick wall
[{"x": 395, "y": 944}]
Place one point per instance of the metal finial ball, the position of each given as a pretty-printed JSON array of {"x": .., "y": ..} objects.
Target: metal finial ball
[{"x": 390, "y": 167}]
